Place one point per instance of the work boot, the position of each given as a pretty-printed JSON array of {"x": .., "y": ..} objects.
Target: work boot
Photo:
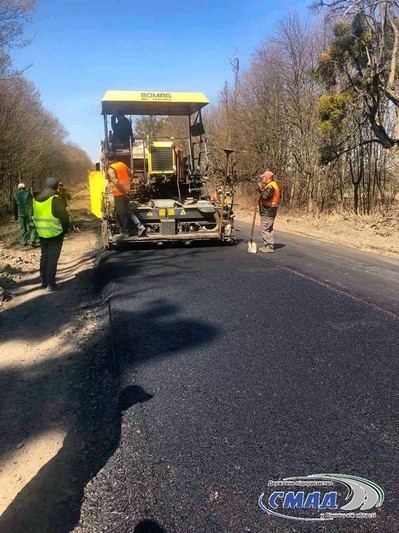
[
  {"x": 266, "y": 250},
  {"x": 53, "y": 287}
]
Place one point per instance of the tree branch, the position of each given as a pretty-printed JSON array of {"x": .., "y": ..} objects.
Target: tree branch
[{"x": 394, "y": 57}]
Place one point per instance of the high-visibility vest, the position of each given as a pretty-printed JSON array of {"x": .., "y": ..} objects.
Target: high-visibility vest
[
  {"x": 46, "y": 224},
  {"x": 274, "y": 200},
  {"x": 122, "y": 174}
]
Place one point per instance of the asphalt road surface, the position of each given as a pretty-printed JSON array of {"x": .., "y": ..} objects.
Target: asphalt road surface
[{"x": 236, "y": 369}]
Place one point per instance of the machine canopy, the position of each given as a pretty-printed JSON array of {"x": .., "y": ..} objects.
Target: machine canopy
[{"x": 152, "y": 103}]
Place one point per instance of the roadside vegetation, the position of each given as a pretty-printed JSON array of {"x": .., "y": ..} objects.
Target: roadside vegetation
[
  {"x": 319, "y": 105},
  {"x": 33, "y": 143}
]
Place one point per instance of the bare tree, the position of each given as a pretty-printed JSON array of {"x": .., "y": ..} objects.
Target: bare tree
[
  {"x": 33, "y": 143},
  {"x": 362, "y": 60},
  {"x": 13, "y": 15}
]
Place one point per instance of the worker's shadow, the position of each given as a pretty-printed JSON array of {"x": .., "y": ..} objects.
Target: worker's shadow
[
  {"x": 148, "y": 526},
  {"x": 41, "y": 505},
  {"x": 51, "y": 501}
]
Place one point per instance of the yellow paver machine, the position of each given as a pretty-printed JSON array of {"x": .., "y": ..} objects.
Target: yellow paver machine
[{"x": 168, "y": 174}]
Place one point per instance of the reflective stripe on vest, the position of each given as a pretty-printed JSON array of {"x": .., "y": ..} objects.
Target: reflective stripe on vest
[
  {"x": 274, "y": 200},
  {"x": 122, "y": 174},
  {"x": 46, "y": 224}
]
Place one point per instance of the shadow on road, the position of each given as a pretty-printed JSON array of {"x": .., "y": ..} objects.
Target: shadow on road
[
  {"x": 51, "y": 501},
  {"x": 87, "y": 388},
  {"x": 148, "y": 526}
]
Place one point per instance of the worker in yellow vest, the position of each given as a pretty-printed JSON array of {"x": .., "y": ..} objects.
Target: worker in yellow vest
[
  {"x": 269, "y": 197},
  {"x": 52, "y": 223},
  {"x": 119, "y": 178}
]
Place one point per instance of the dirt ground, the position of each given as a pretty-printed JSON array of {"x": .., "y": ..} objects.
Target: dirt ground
[
  {"x": 368, "y": 233},
  {"x": 45, "y": 376},
  {"x": 40, "y": 335}
]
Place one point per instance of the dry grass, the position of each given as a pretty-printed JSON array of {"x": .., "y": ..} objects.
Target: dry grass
[{"x": 377, "y": 233}]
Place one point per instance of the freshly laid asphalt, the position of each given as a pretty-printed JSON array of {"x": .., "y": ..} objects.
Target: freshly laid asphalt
[{"x": 236, "y": 369}]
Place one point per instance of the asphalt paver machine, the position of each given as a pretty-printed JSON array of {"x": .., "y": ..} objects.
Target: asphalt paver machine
[{"x": 167, "y": 174}]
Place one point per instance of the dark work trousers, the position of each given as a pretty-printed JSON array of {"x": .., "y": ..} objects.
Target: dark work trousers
[
  {"x": 267, "y": 216},
  {"x": 125, "y": 213},
  {"x": 27, "y": 230},
  {"x": 24, "y": 229},
  {"x": 51, "y": 250}
]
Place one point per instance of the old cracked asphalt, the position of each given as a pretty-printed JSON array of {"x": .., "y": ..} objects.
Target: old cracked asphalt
[{"x": 237, "y": 369}]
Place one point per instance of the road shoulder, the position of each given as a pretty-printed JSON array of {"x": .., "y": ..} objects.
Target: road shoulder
[
  {"x": 53, "y": 353},
  {"x": 369, "y": 234}
]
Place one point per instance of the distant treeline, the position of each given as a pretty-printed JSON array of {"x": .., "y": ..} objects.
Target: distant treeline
[
  {"x": 33, "y": 143},
  {"x": 318, "y": 105}
]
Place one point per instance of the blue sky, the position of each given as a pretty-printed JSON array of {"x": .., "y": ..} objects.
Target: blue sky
[{"x": 81, "y": 48}]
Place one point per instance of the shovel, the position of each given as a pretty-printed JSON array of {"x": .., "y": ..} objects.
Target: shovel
[{"x": 252, "y": 247}]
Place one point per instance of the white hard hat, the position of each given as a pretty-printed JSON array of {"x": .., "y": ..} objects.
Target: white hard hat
[{"x": 21, "y": 185}]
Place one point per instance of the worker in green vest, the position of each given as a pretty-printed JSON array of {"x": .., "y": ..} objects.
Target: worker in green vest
[
  {"x": 52, "y": 223},
  {"x": 23, "y": 212}
]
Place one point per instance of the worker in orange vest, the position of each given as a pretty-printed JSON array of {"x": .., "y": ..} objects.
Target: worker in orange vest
[
  {"x": 119, "y": 178},
  {"x": 269, "y": 197}
]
